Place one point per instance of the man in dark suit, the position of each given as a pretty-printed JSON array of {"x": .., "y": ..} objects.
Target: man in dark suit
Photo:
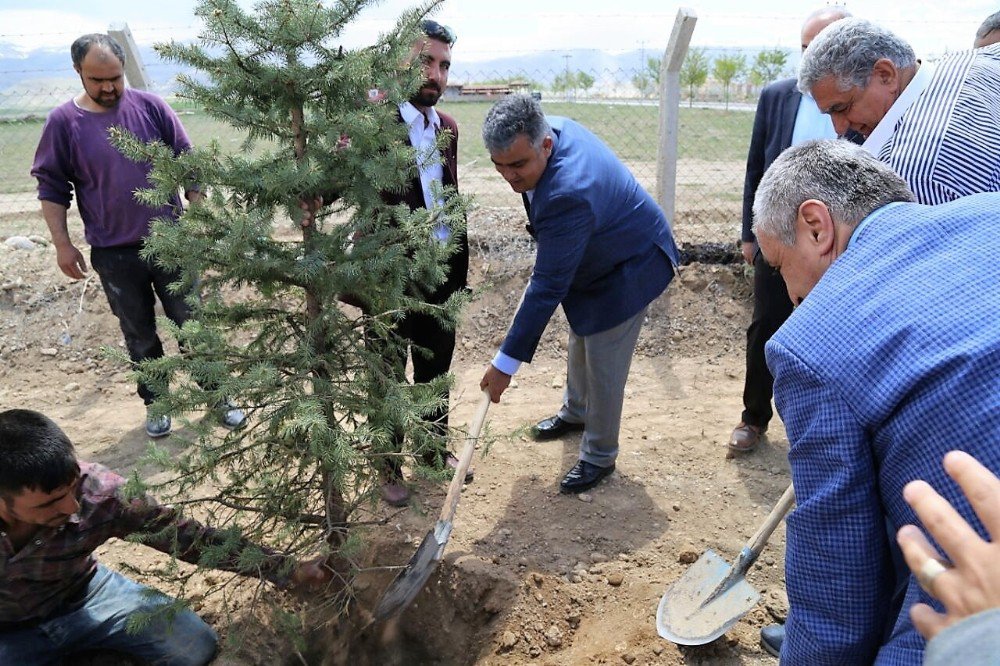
[
  {"x": 784, "y": 118},
  {"x": 431, "y": 342},
  {"x": 605, "y": 251}
]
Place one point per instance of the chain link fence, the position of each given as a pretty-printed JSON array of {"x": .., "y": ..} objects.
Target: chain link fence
[{"x": 619, "y": 105}]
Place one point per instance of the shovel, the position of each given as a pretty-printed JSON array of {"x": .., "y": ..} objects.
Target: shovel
[
  {"x": 411, "y": 580},
  {"x": 712, "y": 596}
]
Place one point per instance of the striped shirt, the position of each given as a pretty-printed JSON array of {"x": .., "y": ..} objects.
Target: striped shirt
[
  {"x": 946, "y": 145},
  {"x": 49, "y": 573}
]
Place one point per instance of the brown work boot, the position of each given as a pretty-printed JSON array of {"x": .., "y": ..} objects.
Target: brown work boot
[{"x": 745, "y": 438}]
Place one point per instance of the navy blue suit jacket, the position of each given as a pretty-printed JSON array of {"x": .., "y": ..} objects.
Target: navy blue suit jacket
[
  {"x": 605, "y": 249},
  {"x": 772, "y": 133}
]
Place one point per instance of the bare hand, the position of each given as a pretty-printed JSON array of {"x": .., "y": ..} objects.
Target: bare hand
[
  {"x": 972, "y": 584},
  {"x": 309, "y": 208},
  {"x": 495, "y": 382},
  {"x": 749, "y": 250},
  {"x": 312, "y": 574},
  {"x": 71, "y": 261}
]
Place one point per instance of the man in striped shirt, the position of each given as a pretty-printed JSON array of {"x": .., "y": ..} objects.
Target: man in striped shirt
[{"x": 934, "y": 123}]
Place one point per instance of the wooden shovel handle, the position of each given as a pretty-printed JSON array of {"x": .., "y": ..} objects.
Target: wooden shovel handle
[
  {"x": 758, "y": 540},
  {"x": 465, "y": 459}
]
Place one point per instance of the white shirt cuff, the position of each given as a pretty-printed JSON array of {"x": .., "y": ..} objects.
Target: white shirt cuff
[{"x": 506, "y": 364}]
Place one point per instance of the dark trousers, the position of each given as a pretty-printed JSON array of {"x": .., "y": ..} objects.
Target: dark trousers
[
  {"x": 771, "y": 307},
  {"x": 130, "y": 284},
  {"x": 431, "y": 346}
]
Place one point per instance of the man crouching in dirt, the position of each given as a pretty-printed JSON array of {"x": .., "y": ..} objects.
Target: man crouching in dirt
[
  {"x": 55, "y": 598},
  {"x": 605, "y": 251}
]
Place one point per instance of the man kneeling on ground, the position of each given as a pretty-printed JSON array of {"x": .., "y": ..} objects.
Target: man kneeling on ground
[{"x": 55, "y": 598}]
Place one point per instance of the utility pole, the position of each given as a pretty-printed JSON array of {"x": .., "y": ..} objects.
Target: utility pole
[{"x": 569, "y": 81}]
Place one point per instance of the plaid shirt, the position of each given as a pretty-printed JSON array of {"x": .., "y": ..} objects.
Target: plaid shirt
[{"x": 54, "y": 567}]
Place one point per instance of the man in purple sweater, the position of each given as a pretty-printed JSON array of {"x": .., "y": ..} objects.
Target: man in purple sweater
[{"x": 75, "y": 153}]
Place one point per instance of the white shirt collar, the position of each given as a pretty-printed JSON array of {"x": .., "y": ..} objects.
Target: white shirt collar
[
  {"x": 411, "y": 114},
  {"x": 887, "y": 126}
]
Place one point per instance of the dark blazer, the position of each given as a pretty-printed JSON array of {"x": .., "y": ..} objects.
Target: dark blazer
[
  {"x": 413, "y": 196},
  {"x": 772, "y": 133},
  {"x": 605, "y": 249}
]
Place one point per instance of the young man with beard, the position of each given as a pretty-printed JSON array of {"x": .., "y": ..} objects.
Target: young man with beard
[
  {"x": 431, "y": 342},
  {"x": 75, "y": 154}
]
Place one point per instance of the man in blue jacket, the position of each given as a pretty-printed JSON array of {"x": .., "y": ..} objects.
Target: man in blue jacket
[
  {"x": 890, "y": 360},
  {"x": 604, "y": 252}
]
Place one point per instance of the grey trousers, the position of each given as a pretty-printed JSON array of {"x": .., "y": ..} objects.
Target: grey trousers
[{"x": 596, "y": 369}]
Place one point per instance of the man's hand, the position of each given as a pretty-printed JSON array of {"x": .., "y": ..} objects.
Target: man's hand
[
  {"x": 495, "y": 382},
  {"x": 309, "y": 208},
  {"x": 749, "y": 250},
  {"x": 71, "y": 261},
  {"x": 312, "y": 574},
  {"x": 971, "y": 583}
]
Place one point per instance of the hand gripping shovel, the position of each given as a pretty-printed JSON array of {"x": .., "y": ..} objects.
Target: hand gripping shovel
[
  {"x": 411, "y": 580},
  {"x": 711, "y": 596}
]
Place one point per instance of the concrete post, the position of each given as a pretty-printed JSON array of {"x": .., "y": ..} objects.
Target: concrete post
[
  {"x": 670, "y": 97},
  {"x": 135, "y": 70}
]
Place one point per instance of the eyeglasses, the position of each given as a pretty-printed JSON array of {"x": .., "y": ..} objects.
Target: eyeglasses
[{"x": 435, "y": 30}]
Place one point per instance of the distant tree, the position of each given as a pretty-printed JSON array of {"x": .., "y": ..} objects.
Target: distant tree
[
  {"x": 694, "y": 71},
  {"x": 768, "y": 66},
  {"x": 728, "y": 69},
  {"x": 647, "y": 79},
  {"x": 564, "y": 82},
  {"x": 578, "y": 80}
]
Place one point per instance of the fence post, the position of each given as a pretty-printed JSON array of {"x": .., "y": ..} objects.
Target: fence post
[
  {"x": 135, "y": 70},
  {"x": 670, "y": 98}
]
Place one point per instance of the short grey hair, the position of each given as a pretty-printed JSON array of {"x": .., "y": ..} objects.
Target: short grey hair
[
  {"x": 81, "y": 47},
  {"x": 848, "y": 50},
  {"x": 511, "y": 116},
  {"x": 991, "y": 23},
  {"x": 849, "y": 180}
]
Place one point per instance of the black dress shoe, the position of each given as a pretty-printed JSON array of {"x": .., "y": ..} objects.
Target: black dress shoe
[
  {"x": 583, "y": 476},
  {"x": 554, "y": 428},
  {"x": 771, "y": 638}
]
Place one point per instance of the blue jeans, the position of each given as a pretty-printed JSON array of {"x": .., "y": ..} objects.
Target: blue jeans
[{"x": 98, "y": 623}]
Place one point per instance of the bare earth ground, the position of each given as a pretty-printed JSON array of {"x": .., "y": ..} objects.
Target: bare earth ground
[{"x": 530, "y": 576}]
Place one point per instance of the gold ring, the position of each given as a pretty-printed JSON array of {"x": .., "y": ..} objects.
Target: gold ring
[{"x": 929, "y": 571}]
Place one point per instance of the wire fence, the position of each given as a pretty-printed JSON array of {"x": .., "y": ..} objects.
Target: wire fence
[{"x": 619, "y": 105}]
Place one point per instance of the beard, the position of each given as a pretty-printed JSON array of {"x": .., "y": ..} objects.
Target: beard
[
  {"x": 107, "y": 100},
  {"x": 428, "y": 95}
]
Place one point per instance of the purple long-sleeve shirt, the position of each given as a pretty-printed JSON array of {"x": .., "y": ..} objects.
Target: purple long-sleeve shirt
[{"x": 75, "y": 153}]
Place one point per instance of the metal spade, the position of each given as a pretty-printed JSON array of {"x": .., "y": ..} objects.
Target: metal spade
[
  {"x": 412, "y": 579},
  {"x": 712, "y": 596}
]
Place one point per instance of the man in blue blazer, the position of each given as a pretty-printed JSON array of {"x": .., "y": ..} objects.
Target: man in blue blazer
[
  {"x": 605, "y": 251},
  {"x": 784, "y": 118},
  {"x": 890, "y": 360}
]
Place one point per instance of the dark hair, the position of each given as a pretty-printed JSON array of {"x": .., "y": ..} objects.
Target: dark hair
[
  {"x": 81, "y": 47},
  {"x": 442, "y": 33},
  {"x": 34, "y": 453}
]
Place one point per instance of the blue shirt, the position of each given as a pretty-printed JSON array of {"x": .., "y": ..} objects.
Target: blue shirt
[{"x": 892, "y": 360}]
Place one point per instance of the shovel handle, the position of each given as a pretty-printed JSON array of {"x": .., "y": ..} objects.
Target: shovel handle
[
  {"x": 464, "y": 460},
  {"x": 758, "y": 540}
]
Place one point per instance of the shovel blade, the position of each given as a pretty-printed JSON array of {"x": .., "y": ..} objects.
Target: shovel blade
[
  {"x": 407, "y": 585},
  {"x": 686, "y": 617}
]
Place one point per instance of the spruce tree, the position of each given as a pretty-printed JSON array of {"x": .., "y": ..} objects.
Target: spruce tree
[{"x": 268, "y": 331}]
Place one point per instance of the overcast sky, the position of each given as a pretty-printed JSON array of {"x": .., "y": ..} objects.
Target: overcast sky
[{"x": 489, "y": 29}]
